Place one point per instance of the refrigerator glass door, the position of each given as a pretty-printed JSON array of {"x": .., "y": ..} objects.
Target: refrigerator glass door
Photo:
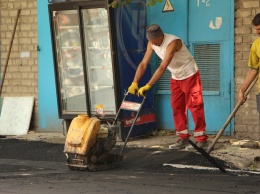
[
  {"x": 99, "y": 61},
  {"x": 69, "y": 62}
]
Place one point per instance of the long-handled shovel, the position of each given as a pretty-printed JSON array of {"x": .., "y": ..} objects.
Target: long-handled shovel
[
  {"x": 207, "y": 156},
  {"x": 211, "y": 146},
  {"x": 9, "y": 50},
  {"x": 8, "y": 56}
]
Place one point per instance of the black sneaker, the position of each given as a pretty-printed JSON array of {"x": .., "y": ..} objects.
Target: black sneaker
[{"x": 180, "y": 144}]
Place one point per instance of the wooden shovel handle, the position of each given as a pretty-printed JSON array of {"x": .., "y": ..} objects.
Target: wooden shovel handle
[{"x": 9, "y": 50}]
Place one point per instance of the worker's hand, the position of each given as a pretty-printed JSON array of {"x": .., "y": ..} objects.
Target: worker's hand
[
  {"x": 143, "y": 90},
  {"x": 133, "y": 89},
  {"x": 242, "y": 97}
]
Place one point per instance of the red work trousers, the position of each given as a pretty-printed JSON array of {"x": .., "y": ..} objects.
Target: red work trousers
[{"x": 187, "y": 94}]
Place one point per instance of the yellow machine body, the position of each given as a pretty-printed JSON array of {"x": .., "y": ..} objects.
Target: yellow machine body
[{"x": 82, "y": 135}]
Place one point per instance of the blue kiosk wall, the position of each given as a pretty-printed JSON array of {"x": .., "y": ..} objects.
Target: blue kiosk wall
[
  {"x": 130, "y": 22},
  {"x": 47, "y": 102}
]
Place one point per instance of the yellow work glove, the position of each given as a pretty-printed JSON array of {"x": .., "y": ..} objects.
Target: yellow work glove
[
  {"x": 133, "y": 89},
  {"x": 143, "y": 90}
]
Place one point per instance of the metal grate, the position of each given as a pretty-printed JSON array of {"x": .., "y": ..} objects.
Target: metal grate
[
  {"x": 164, "y": 81},
  {"x": 207, "y": 57}
]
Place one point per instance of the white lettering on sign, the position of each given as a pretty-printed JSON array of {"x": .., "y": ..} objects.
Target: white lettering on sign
[
  {"x": 131, "y": 121},
  {"x": 206, "y": 2},
  {"x": 217, "y": 24},
  {"x": 130, "y": 105}
]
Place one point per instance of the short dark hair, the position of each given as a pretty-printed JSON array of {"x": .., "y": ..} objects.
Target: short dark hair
[{"x": 256, "y": 20}]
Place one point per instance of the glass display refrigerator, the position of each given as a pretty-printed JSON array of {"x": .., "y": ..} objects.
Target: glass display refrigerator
[{"x": 94, "y": 61}]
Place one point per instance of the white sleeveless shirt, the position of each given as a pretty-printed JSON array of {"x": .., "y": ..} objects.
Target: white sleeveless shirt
[{"x": 183, "y": 64}]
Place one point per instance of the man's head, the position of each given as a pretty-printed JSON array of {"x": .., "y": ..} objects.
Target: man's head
[
  {"x": 154, "y": 34},
  {"x": 256, "y": 23}
]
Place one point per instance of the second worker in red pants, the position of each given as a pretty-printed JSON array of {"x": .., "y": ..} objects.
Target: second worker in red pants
[{"x": 185, "y": 84}]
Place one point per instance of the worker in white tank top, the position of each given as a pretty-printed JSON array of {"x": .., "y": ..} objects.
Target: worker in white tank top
[
  {"x": 185, "y": 84},
  {"x": 182, "y": 64}
]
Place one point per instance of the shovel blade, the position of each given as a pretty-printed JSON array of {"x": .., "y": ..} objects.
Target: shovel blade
[{"x": 207, "y": 156}]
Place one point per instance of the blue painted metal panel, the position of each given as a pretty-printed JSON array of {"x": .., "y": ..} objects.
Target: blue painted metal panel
[
  {"x": 218, "y": 105},
  {"x": 210, "y": 20},
  {"x": 163, "y": 110},
  {"x": 172, "y": 22},
  {"x": 47, "y": 101},
  {"x": 131, "y": 41},
  {"x": 131, "y": 46},
  {"x": 200, "y": 22}
]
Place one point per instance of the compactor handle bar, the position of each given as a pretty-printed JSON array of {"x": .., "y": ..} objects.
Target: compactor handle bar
[{"x": 132, "y": 106}]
